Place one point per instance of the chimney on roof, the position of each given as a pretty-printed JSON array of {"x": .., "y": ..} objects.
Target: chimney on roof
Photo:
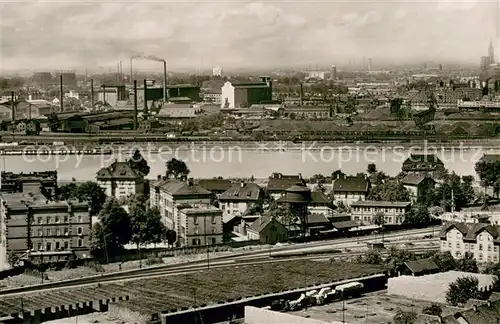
[
  {"x": 158, "y": 177},
  {"x": 300, "y": 176},
  {"x": 488, "y": 303},
  {"x": 242, "y": 184},
  {"x": 474, "y": 307},
  {"x": 190, "y": 182}
]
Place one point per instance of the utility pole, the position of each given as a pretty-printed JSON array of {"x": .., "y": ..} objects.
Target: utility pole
[
  {"x": 135, "y": 104},
  {"x": 13, "y": 108},
  {"x": 62, "y": 92},
  {"x": 343, "y": 306}
]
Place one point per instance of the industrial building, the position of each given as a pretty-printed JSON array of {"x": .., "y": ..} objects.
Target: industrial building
[
  {"x": 82, "y": 122},
  {"x": 68, "y": 78},
  {"x": 44, "y": 231},
  {"x": 44, "y": 182},
  {"x": 236, "y": 95}
]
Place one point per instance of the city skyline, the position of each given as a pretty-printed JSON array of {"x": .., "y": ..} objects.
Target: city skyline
[{"x": 243, "y": 34}]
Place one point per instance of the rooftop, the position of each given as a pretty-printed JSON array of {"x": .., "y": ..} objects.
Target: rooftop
[
  {"x": 181, "y": 188},
  {"x": 414, "y": 179},
  {"x": 422, "y": 158},
  {"x": 242, "y": 191},
  {"x": 374, "y": 203},
  {"x": 350, "y": 184},
  {"x": 118, "y": 170},
  {"x": 215, "y": 184}
]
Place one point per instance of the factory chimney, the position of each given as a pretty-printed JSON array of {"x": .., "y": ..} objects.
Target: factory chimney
[
  {"x": 62, "y": 92},
  {"x": 135, "y": 104},
  {"x": 121, "y": 72},
  {"x": 92, "y": 93},
  {"x": 165, "y": 94},
  {"x": 13, "y": 107},
  {"x": 131, "y": 77},
  {"x": 301, "y": 94},
  {"x": 145, "y": 99}
]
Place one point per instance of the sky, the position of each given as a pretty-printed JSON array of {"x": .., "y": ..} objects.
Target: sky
[{"x": 232, "y": 34}]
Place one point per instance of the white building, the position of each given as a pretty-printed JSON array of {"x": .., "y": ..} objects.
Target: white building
[
  {"x": 200, "y": 225},
  {"x": 217, "y": 71},
  {"x": 480, "y": 240},
  {"x": 170, "y": 194},
  {"x": 215, "y": 98},
  {"x": 350, "y": 189},
  {"x": 236, "y": 95},
  {"x": 365, "y": 212},
  {"x": 120, "y": 180},
  {"x": 236, "y": 200}
]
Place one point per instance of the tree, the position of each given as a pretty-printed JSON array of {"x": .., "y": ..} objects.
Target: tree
[
  {"x": 13, "y": 259},
  {"x": 177, "y": 169},
  {"x": 461, "y": 290},
  {"x": 436, "y": 211},
  {"x": 488, "y": 172},
  {"x": 403, "y": 317},
  {"x": 397, "y": 258},
  {"x": 116, "y": 227},
  {"x": 467, "y": 264},
  {"x": 170, "y": 236},
  {"x": 372, "y": 168},
  {"x": 67, "y": 191},
  {"x": 92, "y": 193},
  {"x": 371, "y": 257},
  {"x": 444, "y": 261},
  {"x": 139, "y": 163},
  {"x": 433, "y": 310},
  {"x": 53, "y": 122},
  {"x": 418, "y": 215},
  {"x": 389, "y": 191},
  {"x": 379, "y": 220}
]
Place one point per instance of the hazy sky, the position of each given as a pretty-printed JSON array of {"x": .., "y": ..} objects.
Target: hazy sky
[{"x": 78, "y": 34}]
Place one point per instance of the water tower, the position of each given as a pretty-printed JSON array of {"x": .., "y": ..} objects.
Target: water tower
[{"x": 298, "y": 198}]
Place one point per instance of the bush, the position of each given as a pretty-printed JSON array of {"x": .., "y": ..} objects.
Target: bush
[
  {"x": 463, "y": 289},
  {"x": 97, "y": 267},
  {"x": 434, "y": 310}
]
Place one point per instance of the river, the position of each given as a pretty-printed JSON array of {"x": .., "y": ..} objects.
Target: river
[{"x": 261, "y": 161}]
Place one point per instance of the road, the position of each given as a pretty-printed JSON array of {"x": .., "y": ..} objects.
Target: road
[{"x": 236, "y": 259}]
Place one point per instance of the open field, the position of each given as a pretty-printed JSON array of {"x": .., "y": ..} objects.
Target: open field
[
  {"x": 156, "y": 294},
  {"x": 375, "y": 308}
]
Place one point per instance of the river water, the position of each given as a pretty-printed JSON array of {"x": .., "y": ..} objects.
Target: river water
[{"x": 260, "y": 161}]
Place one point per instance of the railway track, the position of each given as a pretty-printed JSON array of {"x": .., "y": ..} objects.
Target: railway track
[
  {"x": 180, "y": 267},
  {"x": 186, "y": 269}
]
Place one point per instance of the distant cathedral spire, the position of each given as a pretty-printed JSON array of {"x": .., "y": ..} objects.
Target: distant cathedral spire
[{"x": 491, "y": 53}]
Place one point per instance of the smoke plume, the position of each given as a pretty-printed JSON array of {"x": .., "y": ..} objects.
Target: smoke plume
[{"x": 149, "y": 57}]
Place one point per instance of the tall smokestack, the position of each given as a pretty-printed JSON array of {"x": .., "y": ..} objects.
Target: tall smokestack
[
  {"x": 135, "y": 104},
  {"x": 118, "y": 73},
  {"x": 62, "y": 92},
  {"x": 92, "y": 93},
  {"x": 131, "y": 77},
  {"x": 165, "y": 81},
  {"x": 301, "y": 93},
  {"x": 121, "y": 72},
  {"x": 104, "y": 94},
  {"x": 13, "y": 107},
  {"x": 145, "y": 98}
]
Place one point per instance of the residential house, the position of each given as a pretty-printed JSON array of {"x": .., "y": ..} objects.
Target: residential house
[
  {"x": 422, "y": 163},
  {"x": 317, "y": 223},
  {"x": 200, "y": 225},
  {"x": 320, "y": 204},
  {"x": 170, "y": 194},
  {"x": 364, "y": 212},
  {"x": 216, "y": 186},
  {"x": 477, "y": 239},
  {"x": 268, "y": 230},
  {"x": 347, "y": 189},
  {"x": 418, "y": 184},
  {"x": 120, "y": 180},
  {"x": 420, "y": 267},
  {"x": 239, "y": 198},
  {"x": 279, "y": 183},
  {"x": 238, "y": 226},
  {"x": 44, "y": 231}
]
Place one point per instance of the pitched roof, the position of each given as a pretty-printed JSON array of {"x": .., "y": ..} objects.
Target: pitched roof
[
  {"x": 344, "y": 224},
  {"x": 280, "y": 182},
  {"x": 242, "y": 191},
  {"x": 259, "y": 224},
  {"x": 414, "y": 179},
  {"x": 319, "y": 198},
  {"x": 316, "y": 219},
  {"x": 375, "y": 203},
  {"x": 422, "y": 158},
  {"x": 118, "y": 170},
  {"x": 215, "y": 184},
  {"x": 181, "y": 188},
  {"x": 483, "y": 314},
  {"x": 418, "y": 266},
  {"x": 350, "y": 184},
  {"x": 470, "y": 231}
]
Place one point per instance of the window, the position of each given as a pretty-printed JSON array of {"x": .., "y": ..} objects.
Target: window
[
  {"x": 80, "y": 230},
  {"x": 40, "y": 232},
  {"x": 480, "y": 247},
  {"x": 213, "y": 220},
  {"x": 48, "y": 220},
  {"x": 65, "y": 219},
  {"x": 489, "y": 247},
  {"x": 196, "y": 230},
  {"x": 214, "y": 230},
  {"x": 56, "y": 220},
  {"x": 49, "y": 232},
  {"x": 80, "y": 243},
  {"x": 39, "y": 220},
  {"x": 449, "y": 244},
  {"x": 49, "y": 246},
  {"x": 39, "y": 246},
  {"x": 58, "y": 232},
  {"x": 57, "y": 245},
  {"x": 195, "y": 220},
  {"x": 66, "y": 245},
  {"x": 80, "y": 219},
  {"x": 66, "y": 232},
  {"x": 213, "y": 241},
  {"x": 458, "y": 245}
]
